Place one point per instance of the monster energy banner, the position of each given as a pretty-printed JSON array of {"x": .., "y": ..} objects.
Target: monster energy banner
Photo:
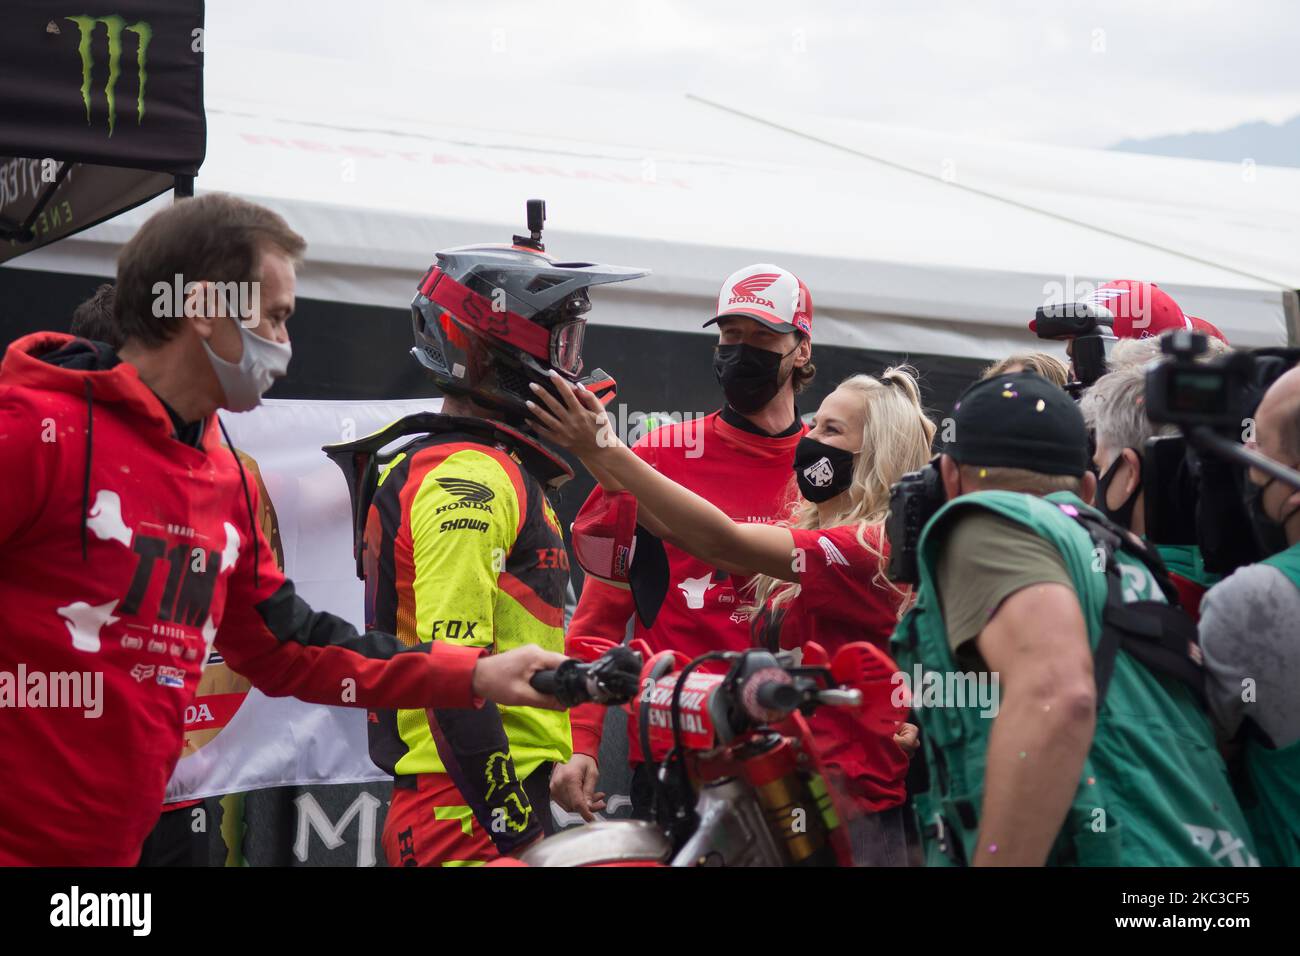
[{"x": 101, "y": 108}]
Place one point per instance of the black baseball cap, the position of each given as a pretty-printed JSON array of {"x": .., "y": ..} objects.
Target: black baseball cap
[{"x": 1019, "y": 420}]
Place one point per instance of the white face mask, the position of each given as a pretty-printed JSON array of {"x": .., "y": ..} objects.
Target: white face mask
[{"x": 245, "y": 383}]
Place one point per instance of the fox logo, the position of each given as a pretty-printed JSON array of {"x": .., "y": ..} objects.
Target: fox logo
[
  {"x": 500, "y": 773},
  {"x": 142, "y": 672}
]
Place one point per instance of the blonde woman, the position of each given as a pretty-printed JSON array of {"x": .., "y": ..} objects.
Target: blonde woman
[{"x": 820, "y": 576}]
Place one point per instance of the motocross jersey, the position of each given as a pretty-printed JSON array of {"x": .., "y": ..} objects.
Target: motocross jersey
[{"x": 462, "y": 546}]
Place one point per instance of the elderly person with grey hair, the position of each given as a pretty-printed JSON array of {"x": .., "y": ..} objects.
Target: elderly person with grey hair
[
  {"x": 1128, "y": 353},
  {"x": 1115, "y": 411}
]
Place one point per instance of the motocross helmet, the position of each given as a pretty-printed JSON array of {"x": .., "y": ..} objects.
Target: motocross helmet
[{"x": 490, "y": 319}]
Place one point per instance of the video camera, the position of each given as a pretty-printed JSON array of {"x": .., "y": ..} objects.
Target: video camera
[
  {"x": 1088, "y": 328},
  {"x": 1220, "y": 394},
  {"x": 913, "y": 501},
  {"x": 1201, "y": 474}
]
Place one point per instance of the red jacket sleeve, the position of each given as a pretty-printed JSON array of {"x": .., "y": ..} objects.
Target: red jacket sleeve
[
  {"x": 272, "y": 637},
  {"x": 603, "y": 612},
  {"x": 587, "y": 721},
  {"x": 599, "y": 623}
]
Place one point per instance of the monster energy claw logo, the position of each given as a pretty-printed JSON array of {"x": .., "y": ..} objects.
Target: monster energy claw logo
[{"x": 114, "y": 25}]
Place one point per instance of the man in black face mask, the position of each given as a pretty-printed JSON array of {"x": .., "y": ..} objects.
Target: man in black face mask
[
  {"x": 1251, "y": 642},
  {"x": 739, "y": 459},
  {"x": 1114, "y": 409},
  {"x": 764, "y": 351}
]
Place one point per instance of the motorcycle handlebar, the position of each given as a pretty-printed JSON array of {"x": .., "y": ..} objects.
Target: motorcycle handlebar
[
  {"x": 775, "y": 696},
  {"x": 614, "y": 679},
  {"x": 611, "y": 679},
  {"x": 766, "y": 697},
  {"x": 545, "y": 682}
]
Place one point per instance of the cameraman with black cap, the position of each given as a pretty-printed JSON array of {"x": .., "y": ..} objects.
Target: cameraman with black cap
[
  {"x": 1249, "y": 639},
  {"x": 1090, "y": 757}
]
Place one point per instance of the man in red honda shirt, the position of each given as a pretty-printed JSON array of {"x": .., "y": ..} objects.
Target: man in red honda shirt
[
  {"x": 129, "y": 546},
  {"x": 740, "y": 459}
]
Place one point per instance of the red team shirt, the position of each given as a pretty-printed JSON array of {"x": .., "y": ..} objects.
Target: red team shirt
[
  {"x": 839, "y": 603},
  {"x": 748, "y": 476}
]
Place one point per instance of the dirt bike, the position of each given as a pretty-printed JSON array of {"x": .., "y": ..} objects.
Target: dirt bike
[{"x": 738, "y": 780}]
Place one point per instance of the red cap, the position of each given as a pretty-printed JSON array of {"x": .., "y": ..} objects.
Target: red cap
[
  {"x": 768, "y": 294},
  {"x": 604, "y": 536},
  {"x": 607, "y": 539},
  {"x": 1209, "y": 328},
  {"x": 1140, "y": 309}
]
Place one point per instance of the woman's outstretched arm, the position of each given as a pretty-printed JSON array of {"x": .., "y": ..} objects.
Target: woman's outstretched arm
[
  {"x": 644, "y": 516},
  {"x": 577, "y": 421}
]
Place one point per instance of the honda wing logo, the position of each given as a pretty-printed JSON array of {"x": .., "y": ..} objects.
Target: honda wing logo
[
  {"x": 114, "y": 26},
  {"x": 752, "y": 285},
  {"x": 467, "y": 490},
  {"x": 747, "y": 289}
]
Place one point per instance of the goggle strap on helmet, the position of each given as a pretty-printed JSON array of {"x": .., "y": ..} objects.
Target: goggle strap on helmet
[{"x": 477, "y": 312}]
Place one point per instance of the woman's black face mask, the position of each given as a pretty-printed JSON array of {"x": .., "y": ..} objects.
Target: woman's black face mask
[
  {"x": 750, "y": 377},
  {"x": 822, "y": 471}
]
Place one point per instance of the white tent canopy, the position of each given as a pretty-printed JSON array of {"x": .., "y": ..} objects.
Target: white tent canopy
[{"x": 909, "y": 241}]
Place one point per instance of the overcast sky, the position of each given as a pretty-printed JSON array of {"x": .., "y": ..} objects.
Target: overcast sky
[{"x": 1081, "y": 73}]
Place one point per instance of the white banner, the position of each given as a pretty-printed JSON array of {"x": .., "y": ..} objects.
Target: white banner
[{"x": 236, "y": 738}]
